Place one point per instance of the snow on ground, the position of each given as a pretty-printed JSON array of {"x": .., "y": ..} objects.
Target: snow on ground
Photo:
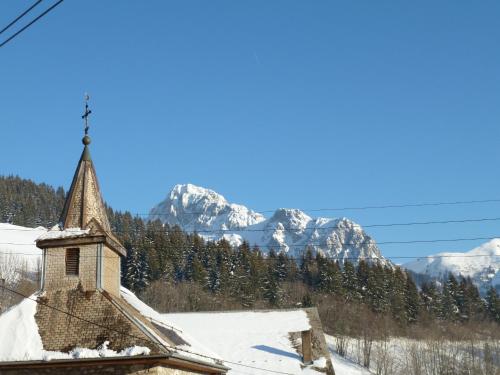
[
  {"x": 18, "y": 251},
  {"x": 253, "y": 338},
  {"x": 402, "y": 356},
  {"x": 343, "y": 366}
]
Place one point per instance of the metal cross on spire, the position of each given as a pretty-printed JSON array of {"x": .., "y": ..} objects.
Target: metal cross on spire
[{"x": 85, "y": 116}]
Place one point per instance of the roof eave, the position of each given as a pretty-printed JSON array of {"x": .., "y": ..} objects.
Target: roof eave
[
  {"x": 82, "y": 240},
  {"x": 172, "y": 360}
]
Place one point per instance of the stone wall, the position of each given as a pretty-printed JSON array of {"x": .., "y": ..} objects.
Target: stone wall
[
  {"x": 63, "y": 332},
  {"x": 105, "y": 369},
  {"x": 55, "y": 269},
  {"x": 111, "y": 271}
]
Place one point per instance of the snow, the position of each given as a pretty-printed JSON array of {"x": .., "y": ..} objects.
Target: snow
[
  {"x": 195, "y": 208},
  {"x": 253, "y": 338},
  {"x": 248, "y": 338},
  {"x": 18, "y": 251},
  {"x": 56, "y": 233},
  {"x": 195, "y": 349},
  {"x": 343, "y": 366},
  {"x": 481, "y": 264},
  {"x": 24, "y": 342}
]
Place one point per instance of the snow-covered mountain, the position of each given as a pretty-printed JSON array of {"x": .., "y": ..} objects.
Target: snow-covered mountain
[
  {"x": 195, "y": 208},
  {"x": 198, "y": 209},
  {"x": 481, "y": 264}
]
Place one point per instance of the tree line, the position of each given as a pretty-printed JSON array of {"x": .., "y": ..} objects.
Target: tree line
[
  {"x": 160, "y": 256},
  {"x": 157, "y": 252}
]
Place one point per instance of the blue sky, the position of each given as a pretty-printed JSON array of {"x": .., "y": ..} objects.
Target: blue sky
[{"x": 273, "y": 104}]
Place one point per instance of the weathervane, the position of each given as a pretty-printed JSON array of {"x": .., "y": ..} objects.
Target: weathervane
[{"x": 85, "y": 116}]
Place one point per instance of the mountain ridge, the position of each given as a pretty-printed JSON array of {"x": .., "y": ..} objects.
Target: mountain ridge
[
  {"x": 481, "y": 264},
  {"x": 197, "y": 209}
]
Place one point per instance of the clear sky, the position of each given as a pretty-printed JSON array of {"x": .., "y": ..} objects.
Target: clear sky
[{"x": 304, "y": 104}]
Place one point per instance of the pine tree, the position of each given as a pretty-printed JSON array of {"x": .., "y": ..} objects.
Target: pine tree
[
  {"x": 412, "y": 300},
  {"x": 137, "y": 276},
  {"x": 449, "y": 309},
  {"x": 431, "y": 299},
  {"x": 398, "y": 296},
  {"x": 308, "y": 268},
  {"x": 493, "y": 304},
  {"x": 272, "y": 289},
  {"x": 363, "y": 279},
  {"x": 350, "y": 283}
]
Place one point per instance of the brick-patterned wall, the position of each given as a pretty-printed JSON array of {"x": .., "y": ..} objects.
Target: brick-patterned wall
[
  {"x": 112, "y": 370},
  {"x": 61, "y": 332},
  {"x": 55, "y": 269},
  {"x": 111, "y": 271}
]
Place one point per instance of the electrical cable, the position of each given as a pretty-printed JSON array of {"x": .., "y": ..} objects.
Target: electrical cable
[
  {"x": 20, "y": 16},
  {"x": 30, "y": 23}
]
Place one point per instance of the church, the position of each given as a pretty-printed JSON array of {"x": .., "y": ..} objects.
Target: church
[{"x": 83, "y": 322}]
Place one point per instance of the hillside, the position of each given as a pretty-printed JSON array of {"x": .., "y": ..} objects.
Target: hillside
[
  {"x": 481, "y": 264},
  {"x": 27, "y": 203}
]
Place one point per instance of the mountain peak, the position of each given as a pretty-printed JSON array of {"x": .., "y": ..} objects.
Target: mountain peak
[
  {"x": 194, "y": 208},
  {"x": 481, "y": 264},
  {"x": 197, "y": 208},
  {"x": 190, "y": 190}
]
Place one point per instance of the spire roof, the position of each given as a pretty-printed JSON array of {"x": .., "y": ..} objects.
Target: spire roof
[{"x": 84, "y": 206}]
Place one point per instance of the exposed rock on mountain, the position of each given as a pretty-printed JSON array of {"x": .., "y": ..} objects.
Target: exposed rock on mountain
[{"x": 198, "y": 209}]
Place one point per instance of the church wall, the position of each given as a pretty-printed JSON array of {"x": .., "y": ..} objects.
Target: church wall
[
  {"x": 111, "y": 271},
  {"x": 103, "y": 322},
  {"x": 55, "y": 269}
]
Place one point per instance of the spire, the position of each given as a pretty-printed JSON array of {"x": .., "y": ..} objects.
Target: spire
[{"x": 84, "y": 205}]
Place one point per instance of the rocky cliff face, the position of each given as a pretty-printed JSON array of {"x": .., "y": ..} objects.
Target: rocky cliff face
[{"x": 198, "y": 209}]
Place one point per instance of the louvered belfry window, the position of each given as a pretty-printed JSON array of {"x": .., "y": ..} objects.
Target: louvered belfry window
[{"x": 72, "y": 261}]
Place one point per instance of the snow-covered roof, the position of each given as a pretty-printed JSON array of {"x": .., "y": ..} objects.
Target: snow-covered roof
[
  {"x": 57, "y": 233},
  {"x": 249, "y": 340},
  {"x": 25, "y": 342},
  {"x": 259, "y": 339}
]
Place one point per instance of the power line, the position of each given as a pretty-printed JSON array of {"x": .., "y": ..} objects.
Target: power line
[
  {"x": 357, "y": 208},
  {"x": 354, "y": 225},
  {"x": 216, "y": 360},
  {"x": 270, "y": 229},
  {"x": 20, "y": 16},
  {"x": 368, "y": 241},
  {"x": 299, "y": 258},
  {"x": 30, "y": 23}
]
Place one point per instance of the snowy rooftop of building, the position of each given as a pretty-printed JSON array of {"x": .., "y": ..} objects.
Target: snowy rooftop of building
[
  {"x": 255, "y": 342},
  {"x": 25, "y": 343},
  {"x": 247, "y": 342},
  {"x": 56, "y": 233}
]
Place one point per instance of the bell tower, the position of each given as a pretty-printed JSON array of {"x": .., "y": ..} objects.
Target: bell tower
[{"x": 82, "y": 251}]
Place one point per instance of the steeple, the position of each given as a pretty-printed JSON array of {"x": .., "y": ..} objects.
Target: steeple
[
  {"x": 84, "y": 204},
  {"x": 82, "y": 251}
]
